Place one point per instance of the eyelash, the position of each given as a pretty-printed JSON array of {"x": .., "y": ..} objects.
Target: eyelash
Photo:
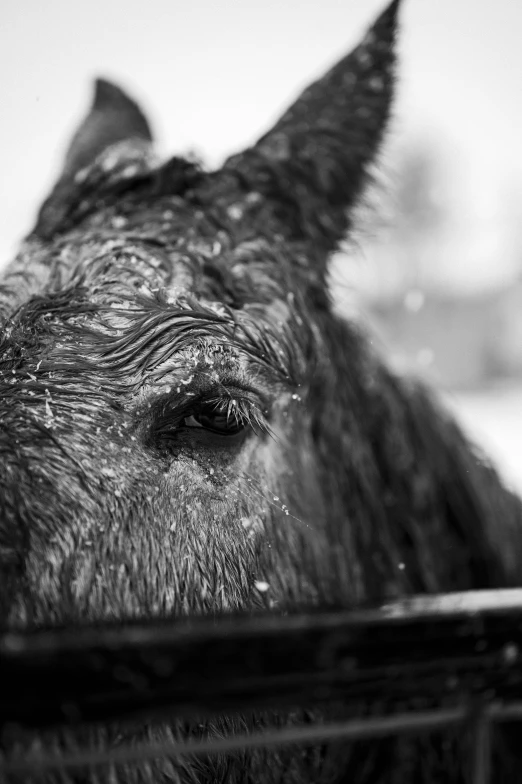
[{"x": 237, "y": 406}]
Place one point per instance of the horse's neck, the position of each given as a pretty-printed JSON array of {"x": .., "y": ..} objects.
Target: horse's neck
[{"x": 425, "y": 512}]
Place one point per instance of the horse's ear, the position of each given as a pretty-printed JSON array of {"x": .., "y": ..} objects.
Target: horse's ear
[
  {"x": 113, "y": 117},
  {"x": 114, "y": 125},
  {"x": 312, "y": 164}
]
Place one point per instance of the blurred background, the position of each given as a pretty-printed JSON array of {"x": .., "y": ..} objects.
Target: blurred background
[{"x": 435, "y": 265}]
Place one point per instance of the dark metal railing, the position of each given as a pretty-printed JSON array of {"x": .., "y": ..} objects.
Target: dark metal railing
[{"x": 459, "y": 656}]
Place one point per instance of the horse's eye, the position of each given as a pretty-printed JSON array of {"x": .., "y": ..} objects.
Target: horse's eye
[{"x": 218, "y": 418}]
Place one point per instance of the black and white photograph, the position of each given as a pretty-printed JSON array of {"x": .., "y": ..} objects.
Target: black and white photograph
[{"x": 261, "y": 392}]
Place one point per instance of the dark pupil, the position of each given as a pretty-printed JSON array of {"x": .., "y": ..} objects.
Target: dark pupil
[{"x": 218, "y": 419}]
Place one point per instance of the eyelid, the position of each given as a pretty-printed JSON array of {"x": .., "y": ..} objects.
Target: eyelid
[
  {"x": 248, "y": 409},
  {"x": 230, "y": 389},
  {"x": 172, "y": 411}
]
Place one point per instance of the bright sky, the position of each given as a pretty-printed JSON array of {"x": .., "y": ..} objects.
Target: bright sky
[{"x": 212, "y": 75}]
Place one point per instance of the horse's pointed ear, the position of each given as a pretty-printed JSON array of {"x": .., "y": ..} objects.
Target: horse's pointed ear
[
  {"x": 113, "y": 117},
  {"x": 312, "y": 164}
]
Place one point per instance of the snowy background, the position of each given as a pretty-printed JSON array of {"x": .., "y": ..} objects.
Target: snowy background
[{"x": 436, "y": 271}]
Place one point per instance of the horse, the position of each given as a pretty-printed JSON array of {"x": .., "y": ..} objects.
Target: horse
[{"x": 187, "y": 428}]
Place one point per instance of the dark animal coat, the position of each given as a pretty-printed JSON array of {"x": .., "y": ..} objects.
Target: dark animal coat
[{"x": 185, "y": 427}]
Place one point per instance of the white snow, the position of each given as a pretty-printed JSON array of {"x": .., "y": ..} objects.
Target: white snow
[{"x": 493, "y": 419}]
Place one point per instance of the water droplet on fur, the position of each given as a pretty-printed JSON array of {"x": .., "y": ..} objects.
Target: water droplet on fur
[
  {"x": 235, "y": 211},
  {"x": 253, "y": 198},
  {"x": 510, "y": 653},
  {"x": 261, "y": 586},
  {"x": 376, "y": 83},
  {"x": 276, "y": 147},
  {"x": 81, "y": 175}
]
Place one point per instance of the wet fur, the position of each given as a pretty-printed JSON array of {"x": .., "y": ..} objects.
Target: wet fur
[{"x": 147, "y": 286}]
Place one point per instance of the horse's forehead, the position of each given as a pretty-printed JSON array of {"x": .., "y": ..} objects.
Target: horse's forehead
[
  {"x": 126, "y": 281},
  {"x": 212, "y": 268},
  {"x": 179, "y": 254}
]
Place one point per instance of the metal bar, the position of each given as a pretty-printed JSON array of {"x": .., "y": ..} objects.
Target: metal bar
[
  {"x": 438, "y": 648},
  {"x": 482, "y": 747},
  {"x": 37, "y": 764},
  {"x": 508, "y": 711},
  {"x": 40, "y": 764}
]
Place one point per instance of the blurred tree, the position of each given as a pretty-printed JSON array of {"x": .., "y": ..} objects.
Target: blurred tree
[
  {"x": 420, "y": 212},
  {"x": 510, "y": 222}
]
